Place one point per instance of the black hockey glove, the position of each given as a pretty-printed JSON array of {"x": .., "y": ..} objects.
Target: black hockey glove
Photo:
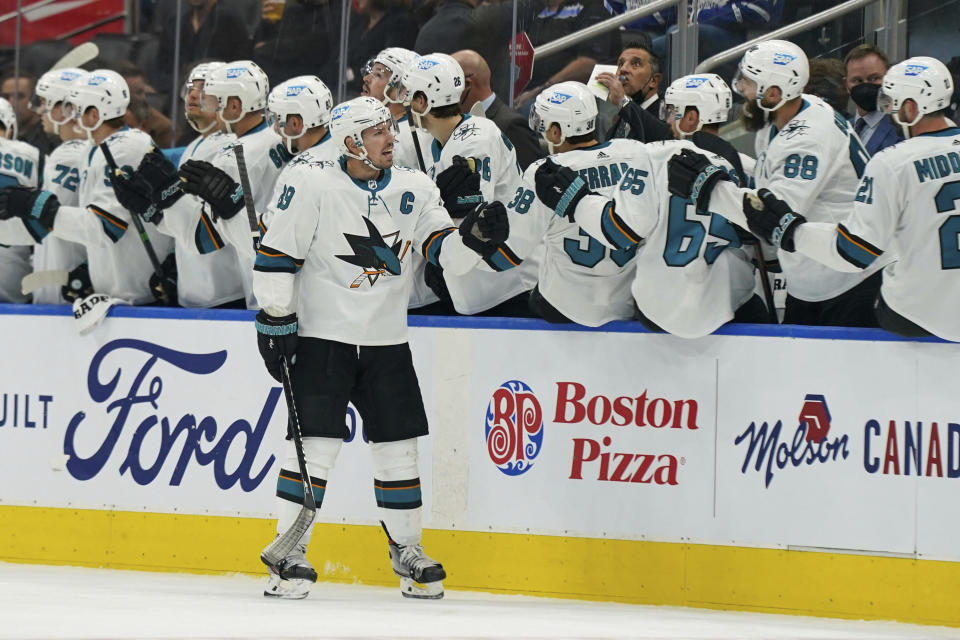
[
  {"x": 29, "y": 204},
  {"x": 165, "y": 289},
  {"x": 433, "y": 277},
  {"x": 213, "y": 185},
  {"x": 78, "y": 284},
  {"x": 163, "y": 178},
  {"x": 560, "y": 188},
  {"x": 772, "y": 219},
  {"x": 485, "y": 228},
  {"x": 276, "y": 338},
  {"x": 134, "y": 194},
  {"x": 459, "y": 186},
  {"x": 692, "y": 175}
]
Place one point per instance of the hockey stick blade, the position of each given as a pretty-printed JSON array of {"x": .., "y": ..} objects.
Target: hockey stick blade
[
  {"x": 77, "y": 57},
  {"x": 40, "y": 279},
  {"x": 283, "y": 544}
]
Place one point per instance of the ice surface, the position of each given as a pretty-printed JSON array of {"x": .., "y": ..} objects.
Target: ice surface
[{"x": 55, "y": 603}]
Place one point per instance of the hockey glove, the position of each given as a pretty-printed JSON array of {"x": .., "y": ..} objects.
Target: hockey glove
[
  {"x": 276, "y": 338},
  {"x": 134, "y": 194},
  {"x": 29, "y": 204},
  {"x": 163, "y": 178},
  {"x": 459, "y": 186},
  {"x": 560, "y": 188},
  {"x": 692, "y": 175},
  {"x": 772, "y": 219},
  {"x": 165, "y": 289},
  {"x": 433, "y": 277},
  {"x": 485, "y": 228},
  {"x": 78, "y": 284},
  {"x": 213, "y": 185}
]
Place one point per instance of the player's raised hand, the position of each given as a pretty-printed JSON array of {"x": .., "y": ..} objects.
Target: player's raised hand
[
  {"x": 29, "y": 203},
  {"x": 771, "y": 218},
  {"x": 163, "y": 178},
  {"x": 459, "y": 186},
  {"x": 560, "y": 188},
  {"x": 488, "y": 224},
  {"x": 213, "y": 185},
  {"x": 692, "y": 175},
  {"x": 134, "y": 193}
]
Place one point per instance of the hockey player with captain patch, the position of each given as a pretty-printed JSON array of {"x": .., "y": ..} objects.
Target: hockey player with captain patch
[
  {"x": 904, "y": 214},
  {"x": 691, "y": 275},
  {"x": 333, "y": 276}
]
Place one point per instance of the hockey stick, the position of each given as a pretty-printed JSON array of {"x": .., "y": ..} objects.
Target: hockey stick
[
  {"x": 247, "y": 196},
  {"x": 165, "y": 294},
  {"x": 284, "y": 543},
  {"x": 416, "y": 140},
  {"x": 719, "y": 146},
  {"x": 40, "y": 279},
  {"x": 78, "y": 56}
]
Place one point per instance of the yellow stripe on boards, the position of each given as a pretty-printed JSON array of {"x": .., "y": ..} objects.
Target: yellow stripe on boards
[{"x": 630, "y": 571}]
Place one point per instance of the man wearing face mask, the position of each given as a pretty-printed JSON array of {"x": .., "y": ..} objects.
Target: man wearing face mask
[
  {"x": 634, "y": 90},
  {"x": 865, "y": 67}
]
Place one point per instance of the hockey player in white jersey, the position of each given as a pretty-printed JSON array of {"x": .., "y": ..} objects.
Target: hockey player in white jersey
[
  {"x": 240, "y": 89},
  {"x": 301, "y": 110},
  {"x": 580, "y": 280},
  {"x": 211, "y": 279},
  {"x": 118, "y": 263},
  {"x": 381, "y": 80},
  {"x": 19, "y": 165},
  {"x": 61, "y": 176},
  {"x": 463, "y": 149},
  {"x": 691, "y": 275},
  {"x": 333, "y": 278},
  {"x": 905, "y": 212},
  {"x": 808, "y": 155}
]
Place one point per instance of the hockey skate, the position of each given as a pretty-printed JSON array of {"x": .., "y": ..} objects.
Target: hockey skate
[
  {"x": 292, "y": 577},
  {"x": 420, "y": 575}
]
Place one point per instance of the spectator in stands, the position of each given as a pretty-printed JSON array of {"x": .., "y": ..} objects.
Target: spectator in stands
[
  {"x": 560, "y": 18},
  {"x": 305, "y": 41},
  {"x": 476, "y": 75},
  {"x": 18, "y": 91},
  {"x": 147, "y": 117},
  {"x": 864, "y": 69},
  {"x": 380, "y": 24},
  {"x": 826, "y": 81},
  {"x": 209, "y": 29},
  {"x": 723, "y": 23},
  {"x": 635, "y": 92},
  {"x": 484, "y": 28}
]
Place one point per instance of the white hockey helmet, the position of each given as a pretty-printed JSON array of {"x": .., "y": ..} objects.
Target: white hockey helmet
[
  {"x": 351, "y": 118},
  {"x": 8, "y": 119},
  {"x": 243, "y": 79},
  {"x": 104, "y": 89},
  {"x": 774, "y": 63},
  {"x": 570, "y": 105},
  {"x": 55, "y": 86},
  {"x": 926, "y": 81},
  {"x": 199, "y": 74},
  {"x": 305, "y": 96},
  {"x": 707, "y": 92},
  {"x": 397, "y": 59},
  {"x": 438, "y": 76}
]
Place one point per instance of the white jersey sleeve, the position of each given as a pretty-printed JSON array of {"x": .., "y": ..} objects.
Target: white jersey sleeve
[
  {"x": 907, "y": 216},
  {"x": 118, "y": 261},
  {"x": 61, "y": 176},
  {"x": 814, "y": 163},
  {"x": 580, "y": 276}
]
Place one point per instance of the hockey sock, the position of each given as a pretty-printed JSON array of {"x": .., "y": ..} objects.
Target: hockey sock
[
  {"x": 320, "y": 454},
  {"x": 396, "y": 485}
]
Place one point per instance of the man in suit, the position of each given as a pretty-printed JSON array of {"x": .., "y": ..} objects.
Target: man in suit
[
  {"x": 865, "y": 67},
  {"x": 634, "y": 90},
  {"x": 476, "y": 75}
]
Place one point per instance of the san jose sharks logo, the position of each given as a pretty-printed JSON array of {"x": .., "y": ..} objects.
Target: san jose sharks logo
[{"x": 374, "y": 255}]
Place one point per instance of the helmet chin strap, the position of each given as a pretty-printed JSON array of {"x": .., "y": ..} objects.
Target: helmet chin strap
[
  {"x": 905, "y": 126},
  {"x": 193, "y": 125}
]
